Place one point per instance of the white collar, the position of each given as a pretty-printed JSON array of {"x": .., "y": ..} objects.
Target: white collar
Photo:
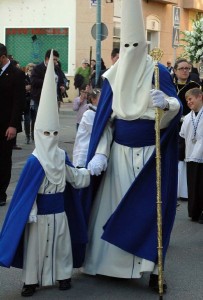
[{"x": 5, "y": 67}]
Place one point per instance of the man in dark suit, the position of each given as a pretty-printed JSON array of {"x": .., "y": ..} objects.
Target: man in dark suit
[
  {"x": 37, "y": 78},
  {"x": 12, "y": 97}
]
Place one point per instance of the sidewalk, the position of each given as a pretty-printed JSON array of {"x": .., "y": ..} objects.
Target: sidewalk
[{"x": 67, "y": 108}]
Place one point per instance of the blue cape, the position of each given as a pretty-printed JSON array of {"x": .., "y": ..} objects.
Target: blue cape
[
  {"x": 11, "y": 236},
  {"x": 133, "y": 225}
]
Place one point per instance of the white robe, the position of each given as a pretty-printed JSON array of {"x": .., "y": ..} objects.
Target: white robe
[
  {"x": 124, "y": 165},
  {"x": 47, "y": 244},
  {"x": 182, "y": 180}
]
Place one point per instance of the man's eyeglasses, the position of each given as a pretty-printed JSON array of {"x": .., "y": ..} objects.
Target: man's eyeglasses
[{"x": 183, "y": 69}]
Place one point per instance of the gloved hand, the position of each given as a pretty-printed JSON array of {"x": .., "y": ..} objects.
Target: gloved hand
[
  {"x": 97, "y": 164},
  {"x": 32, "y": 219},
  {"x": 158, "y": 99}
]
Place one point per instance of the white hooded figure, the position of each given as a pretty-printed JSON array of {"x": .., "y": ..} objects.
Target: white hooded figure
[
  {"x": 47, "y": 245},
  {"x": 133, "y": 101}
]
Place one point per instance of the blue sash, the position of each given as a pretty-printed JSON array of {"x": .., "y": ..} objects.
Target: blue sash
[
  {"x": 136, "y": 133},
  {"x": 48, "y": 204}
]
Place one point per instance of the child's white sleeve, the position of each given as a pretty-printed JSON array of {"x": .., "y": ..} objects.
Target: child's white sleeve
[{"x": 78, "y": 178}]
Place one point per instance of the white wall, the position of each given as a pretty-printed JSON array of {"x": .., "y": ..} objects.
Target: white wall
[{"x": 41, "y": 13}]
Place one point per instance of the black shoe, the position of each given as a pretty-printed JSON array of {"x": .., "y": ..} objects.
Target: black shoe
[
  {"x": 15, "y": 147},
  {"x": 200, "y": 221},
  {"x": 28, "y": 290},
  {"x": 194, "y": 219},
  {"x": 2, "y": 202},
  {"x": 27, "y": 140},
  {"x": 65, "y": 284},
  {"x": 183, "y": 199},
  {"x": 154, "y": 283}
]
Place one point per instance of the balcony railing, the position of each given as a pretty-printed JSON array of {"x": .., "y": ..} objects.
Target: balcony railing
[
  {"x": 193, "y": 4},
  {"x": 164, "y": 1}
]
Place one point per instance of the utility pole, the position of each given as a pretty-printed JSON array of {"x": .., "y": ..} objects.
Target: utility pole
[{"x": 98, "y": 41}]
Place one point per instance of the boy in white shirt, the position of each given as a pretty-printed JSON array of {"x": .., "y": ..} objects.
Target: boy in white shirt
[
  {"x": 192, "y": 132},
  {"x": 82, "y": 139}
]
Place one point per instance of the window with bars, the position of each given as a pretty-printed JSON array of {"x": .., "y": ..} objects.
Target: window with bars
[{"x": 28, "y": 45}]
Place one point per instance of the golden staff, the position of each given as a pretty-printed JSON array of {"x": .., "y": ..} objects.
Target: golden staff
[{"x": 156, "y": 55}]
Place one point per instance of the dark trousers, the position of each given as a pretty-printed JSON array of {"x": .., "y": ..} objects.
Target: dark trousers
[
  {"x": 5, "y": 166},
  {"x": 29, "y": 121},
  {"x": 195, "y": 189}
]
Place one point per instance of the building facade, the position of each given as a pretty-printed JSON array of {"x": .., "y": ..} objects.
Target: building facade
[{"x": 29, "y": 28}]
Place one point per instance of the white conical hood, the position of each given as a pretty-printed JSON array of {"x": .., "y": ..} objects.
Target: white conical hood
[
  {"x": 132, "y": 24},
  {"x": 46, "y": 128},
  {"x": 130, "y": 78},
  {"x": 47, "y": 115}
]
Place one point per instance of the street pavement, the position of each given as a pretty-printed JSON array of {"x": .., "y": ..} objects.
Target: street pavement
[{"x": 184, "y": 262}]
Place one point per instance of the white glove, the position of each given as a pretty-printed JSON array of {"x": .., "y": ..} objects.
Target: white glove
[
  {"x": 32, "y": 219},
  {"x": 158, "y": 99},
  {"x": 97, "y": 164}
]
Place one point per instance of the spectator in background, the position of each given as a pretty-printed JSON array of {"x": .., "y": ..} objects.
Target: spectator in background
[
  {"x": 169, "y": 67},
  {"x": 192, "y": 132},
  {"x": 93, "y": 66},
  {"x": 29, "y": 111},
  {"x": 93, "y": 73},
  {"x": 114, "y": 58},
  {"x": 115, "y": 55},
  {"x": 16, "y": 64},
  {"x": 12, "y": 87},
  {"x": 37, "y": 78},
  {"x": 10, "y": 57},
  {"x": 88, "y": 89},
  {"x": 194, "y": 74},
  {"x": 183, "y": 83},
  {"x": 99, "y": 82},
  {"x": 80, "y": 105},
  {"x": 66, "y": 82},
  {"x": 82, "y": 75}
]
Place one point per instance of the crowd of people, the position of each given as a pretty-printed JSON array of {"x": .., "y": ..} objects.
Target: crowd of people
[{"x": 96, "y": 212}]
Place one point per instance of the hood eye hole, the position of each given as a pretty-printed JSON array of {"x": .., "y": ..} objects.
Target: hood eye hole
[
  {"x": 126, "y": 45},
  {"x": 47, "y": 133},
  {"x": 55, "y": 133},
  {"x": 135, "y": 44}
]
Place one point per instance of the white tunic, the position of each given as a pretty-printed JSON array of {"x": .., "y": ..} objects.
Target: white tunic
[
  {"x": 124, "y": 165},
  {"x": 193, "y": 150},
  {"x": 82, "y": 139},
  {"x": 47, "y": 244},
  {"x": 182, "y": 180}
]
